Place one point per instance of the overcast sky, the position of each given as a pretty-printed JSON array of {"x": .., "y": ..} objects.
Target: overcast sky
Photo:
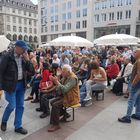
[{"x": 34, "y": 1}]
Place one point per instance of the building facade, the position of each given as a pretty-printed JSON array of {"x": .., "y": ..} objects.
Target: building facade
[
  {"x": 116, "y": 16},
  {"x": 65, "y": 17},
  {"x": 19, "y": 20},
  {"x": 88, "y": 18}
]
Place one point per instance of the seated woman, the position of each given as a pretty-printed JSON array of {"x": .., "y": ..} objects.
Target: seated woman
[
  {"x": 97, "y": 80},
  {"x": 38, "y": 79},
  {"x": 122, "y": 77},
  {"x": 112, "y": 70},
  {"x": 48, "y": 91}
]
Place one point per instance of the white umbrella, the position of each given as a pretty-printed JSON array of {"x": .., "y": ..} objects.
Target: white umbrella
[
  {"x": 44, "y": 45},
  {"x": 73, "y": 41},
  {"x": 117, "y": 39},
  {"x": 4, "y": 43}
]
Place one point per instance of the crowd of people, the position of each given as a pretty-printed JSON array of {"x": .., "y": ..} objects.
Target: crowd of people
[{"x": 62, "y": 77}]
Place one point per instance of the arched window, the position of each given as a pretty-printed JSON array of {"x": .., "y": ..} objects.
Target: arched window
[
  {"x": 25, "y": 38},
  {"x": 30, "y": 38},
  {"x": 20, "y": 37},
  {"x": 14, "y": 37},
  {"x": 8, "y": 36},
  {"x": 35, "y": 39}
]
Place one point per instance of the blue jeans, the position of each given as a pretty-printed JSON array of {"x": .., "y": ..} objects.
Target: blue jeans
[
  {"x": 15, "y": 101},
  {"x": 134, "y": 100}
]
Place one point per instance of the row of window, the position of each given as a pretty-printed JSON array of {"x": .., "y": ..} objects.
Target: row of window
[
  {"x": 21, "y": 20},
  {"x": 20, "y": 29},
  {"x": 66, "y": 26},
  {"x": 65, "y": 16},
  {"x": 20, "y": 12},
  {"x": 78, "y": 2},
  {"x": 25, "y": 37},
  {"x": 111, "y": 16},
  {"x": 111, "y": 3},
  {"x": 20, "y": 4}
]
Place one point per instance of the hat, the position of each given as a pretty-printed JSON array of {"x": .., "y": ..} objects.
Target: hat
[{"x": 22, "y": 44}]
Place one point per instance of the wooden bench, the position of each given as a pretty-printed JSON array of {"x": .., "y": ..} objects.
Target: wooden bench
[{"x": 72, "y": 107}]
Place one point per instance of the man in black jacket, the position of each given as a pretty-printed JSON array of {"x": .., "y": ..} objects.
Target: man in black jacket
[{"x": 14, "y": 67}]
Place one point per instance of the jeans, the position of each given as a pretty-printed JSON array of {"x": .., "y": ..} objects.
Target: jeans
[
  {"x": 134, "y": 100},
  {"x": 15, "y": 101}
]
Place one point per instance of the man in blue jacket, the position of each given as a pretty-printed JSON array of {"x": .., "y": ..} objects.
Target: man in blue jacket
[{"x": 14, "y": 67}]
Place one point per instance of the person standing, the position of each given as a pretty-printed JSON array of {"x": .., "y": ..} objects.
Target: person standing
[
  {"x": 15, "y": 65},
  {"x": 134, "y": 98}
]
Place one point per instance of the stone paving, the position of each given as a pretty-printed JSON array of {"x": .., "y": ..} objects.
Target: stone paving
[{"x": 96, "y": 122}]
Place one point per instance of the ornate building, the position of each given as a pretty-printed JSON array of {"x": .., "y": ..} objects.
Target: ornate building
[{"x": 18, "y": 20}]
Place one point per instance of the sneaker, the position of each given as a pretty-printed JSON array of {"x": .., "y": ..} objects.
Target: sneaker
[
  {"x": 39, "y": 110},
  {"x": 124, "y": 120},
  {"x": 87, "y": 98},
  {"x": 3, "y": 126},
  {"x": 21, "y": 131},
  {"x": 134, "y": 116}
]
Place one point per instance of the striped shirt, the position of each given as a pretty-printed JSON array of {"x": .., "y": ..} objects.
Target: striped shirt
[{"x": 18, "y": 60}]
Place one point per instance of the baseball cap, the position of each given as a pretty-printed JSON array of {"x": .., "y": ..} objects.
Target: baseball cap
[{"x": 22, "y": 44}]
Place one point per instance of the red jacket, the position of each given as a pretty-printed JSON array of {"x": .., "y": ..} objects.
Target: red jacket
[
  {"x": 45, "y": 75},
  {"x": 113, "y": 70}
]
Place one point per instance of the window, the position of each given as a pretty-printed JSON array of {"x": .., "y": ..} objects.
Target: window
[
  {"x": 69, "y": 5},
  {"x": 14, "y": 28},
  {"x": 84, "y": 24},
  {"x": 78, "y": 3},
  {"x": 56, "y": 8},
  {"x": 19, "y": 11},
  {"x": 69, "y": 26},
  {"x": 30, "y": 30},
  {"x": 69, "y": 15},
  {"x": 52, "y": 1},
  {"x": 64, "y": 16},
  {"x": 128, "y": 2},
  {"x": 78, "y": 13},
  {"x": 46, "y": 29},
  {"x": 52, "y": 18},
  {"x": 0, "y": 8},
  {"x": 14, "y": 19},
  {"x": 30, "y": 22},
  {"x": 25, "y": 21},
  {"x": 56, "y": 27},
  {"x": 13, "y": 10},
  {"x": 8, "y": 28},
  {"x": 8, "y": 18},
  {"x": 78, "y": 25},
  {"x": 120, "y": 2},
  {"x": 112, "y": 3},
  {"x": 20, "y": 29},
  {"x": 52, "y": 10},
  {"x": 56, "y": 18},
  {"x": 19, "y": 20},
  {"x": 97, "y": 6},
  {"x": 103, "y": 17},
  {"x": 96, "y": 18},
  {"x": 64, "y": 26},
  {"x": 84, "y": 2},
  {"x": 64, "y": 6},
  {"x": 24, "y": 13},
  {"x": 25, "y": 29},
  {"x": 52, "y": 28},
  {"x": 29, "y": 14},
  {"x": 35, "y": 31},
  {"x": 34, "y": 23},
  {"x": 85, "y": 12},
  {"x": 111, "y": 16},
  {"x": 128, "y": 14},
  {"x": 119, "y": 15}
]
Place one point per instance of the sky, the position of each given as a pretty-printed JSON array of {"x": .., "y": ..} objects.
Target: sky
[{"x": 34, "y": 1}]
